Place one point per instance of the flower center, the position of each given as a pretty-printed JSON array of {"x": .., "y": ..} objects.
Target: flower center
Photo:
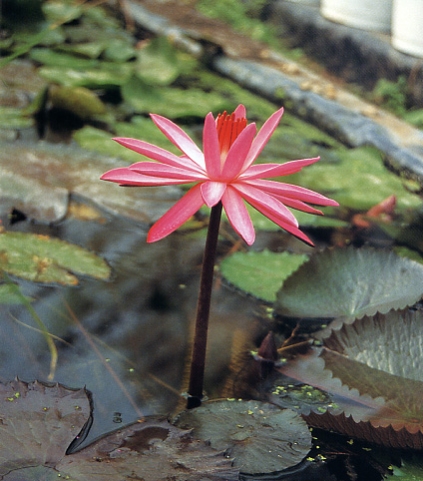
[{"x": 228, "y": 129}]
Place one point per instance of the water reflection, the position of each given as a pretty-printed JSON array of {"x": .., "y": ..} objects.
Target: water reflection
[{"x": 126, "y": 340}]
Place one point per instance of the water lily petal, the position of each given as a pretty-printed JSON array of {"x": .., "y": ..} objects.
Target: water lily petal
[
  {"x": 240, "y": 112},
  {"x": 156, "y": 153},
  {"x": 179, "y": 138},
  {"x": 263, "y": 137},
  {"x": 126, "y": 176},
  {"x": 179, "y": 213},
  {"x": 238, "y": 215},
  {"x": 238, "y": 152},
  {"x": 211, "y": 147},
  {"x": 212, "y": 192},
  {"x": 166, "y": 172},
  {"x": 293, "y": 191},
  {"x": 276, "y": 170},
  {"x": 266, "y": 203}
]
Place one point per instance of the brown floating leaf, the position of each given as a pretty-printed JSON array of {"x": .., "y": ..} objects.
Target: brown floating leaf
[
  {"x": 39, "y": 422},
  {"x": 369, "y": 402},
  {"x": 149, "y": 450},
  {"x": 261, "y": 437}
]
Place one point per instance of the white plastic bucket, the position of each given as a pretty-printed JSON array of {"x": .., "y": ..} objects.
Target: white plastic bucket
[
  {"x": 407, "y": 26},
  {"x": 373, "y": 15}
]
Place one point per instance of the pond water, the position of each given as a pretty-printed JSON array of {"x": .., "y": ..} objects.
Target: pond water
[{"x": 125, "y": 339}]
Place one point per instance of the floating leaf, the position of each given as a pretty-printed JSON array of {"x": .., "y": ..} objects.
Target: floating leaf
[
  {"x": 48, "y": 56},
  {"x": 44, "y": 259},
  {"x": 372, "y": 371},
  {"x": 39, "y": 423},
  {"x": 174, "y": 102},
  {"x": 358, "y": 181},
  {"x": 79, "y": 100},
  {"x": 260, "y": 273},
  {"x": 157, "y": 63},
  {"x": 108, "y": 74},
  {"x": 261, "y": 437},
  {"x": 351, "y": 283}
]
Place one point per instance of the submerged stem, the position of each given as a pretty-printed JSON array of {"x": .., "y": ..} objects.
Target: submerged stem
[{"x": 198, "y": 360}]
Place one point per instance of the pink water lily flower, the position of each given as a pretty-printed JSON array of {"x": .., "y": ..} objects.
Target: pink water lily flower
[{"x": 222, "y": 172}]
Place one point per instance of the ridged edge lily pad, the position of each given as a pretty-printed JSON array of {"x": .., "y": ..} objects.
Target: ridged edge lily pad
[
  {"x": 260, "y": 436},
  {"x": 350, "y": 283}
]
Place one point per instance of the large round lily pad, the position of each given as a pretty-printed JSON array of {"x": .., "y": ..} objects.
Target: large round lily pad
[
  {"x": 261, "y": 437},
  {"x": 350, "y": 283}
]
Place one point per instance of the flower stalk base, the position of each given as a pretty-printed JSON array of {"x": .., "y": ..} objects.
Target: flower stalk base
[{"x": 198, "y": 360}]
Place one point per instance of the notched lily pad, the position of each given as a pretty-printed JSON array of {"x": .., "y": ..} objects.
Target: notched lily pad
[
  {"x": 350, "y": 283},
  {"x": 260, "y": 273},
  {"x": 44, "y": 259},
  {"x": 261, "y": 437},
  {"x": 372, "y": 371},
  {"x": 39, "y": 422}
]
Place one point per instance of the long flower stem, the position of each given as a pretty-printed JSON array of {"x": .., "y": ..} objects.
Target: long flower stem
[{"x": 198, "y": 360}]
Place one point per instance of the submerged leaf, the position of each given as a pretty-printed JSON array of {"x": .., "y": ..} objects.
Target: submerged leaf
[
  {"x": 351, "y": 283},
  {"x": 260, "y": 273},
  {"x": 261, "y": 437},
  {"x": 44, "y": 259}
]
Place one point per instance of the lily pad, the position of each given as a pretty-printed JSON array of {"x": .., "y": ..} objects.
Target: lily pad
[
  {"x": 261, "y": 437},
  {"x": 260, "y": 273},
  {"x": 106, "y": 75},
  {"x": 350, "y": 283},
  {"x": 44, "y": 259},
  {"x": 40, "y": 424},
  {"x": 79, "y": 100},
  {"x": 359, "y": 181},
  {"x": 372, "y": 372},
  {"x": 157, "y": 63},
  {"x": 174, "y": 102}
]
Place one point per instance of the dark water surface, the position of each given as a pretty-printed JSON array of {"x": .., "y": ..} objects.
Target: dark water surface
[{"x": 126, "y": 340}]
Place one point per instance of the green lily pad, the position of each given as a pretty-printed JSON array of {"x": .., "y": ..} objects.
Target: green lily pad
[
  {"x": 50, "y": 57},
  {"x": 172, "y": 102},
  {"x": 157, "y": 63},
  {"x": 44, "y": 259},
  {"x": 105, "y": 76},
  {"x": 411, "y": 469},
  {"x": 358, "y": 181},
  {"x": 350, "y": 283},
  {"x": 261, "y": 437},
  {"x": 260, "y": 273}
]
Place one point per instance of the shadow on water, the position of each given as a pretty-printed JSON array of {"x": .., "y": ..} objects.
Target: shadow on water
[{"x": 127, "y": 339}]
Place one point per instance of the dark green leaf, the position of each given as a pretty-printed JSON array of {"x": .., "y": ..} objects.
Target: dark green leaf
[
  {"x": 261, "y": 437},
  {"x": 351, "y": 283}
]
